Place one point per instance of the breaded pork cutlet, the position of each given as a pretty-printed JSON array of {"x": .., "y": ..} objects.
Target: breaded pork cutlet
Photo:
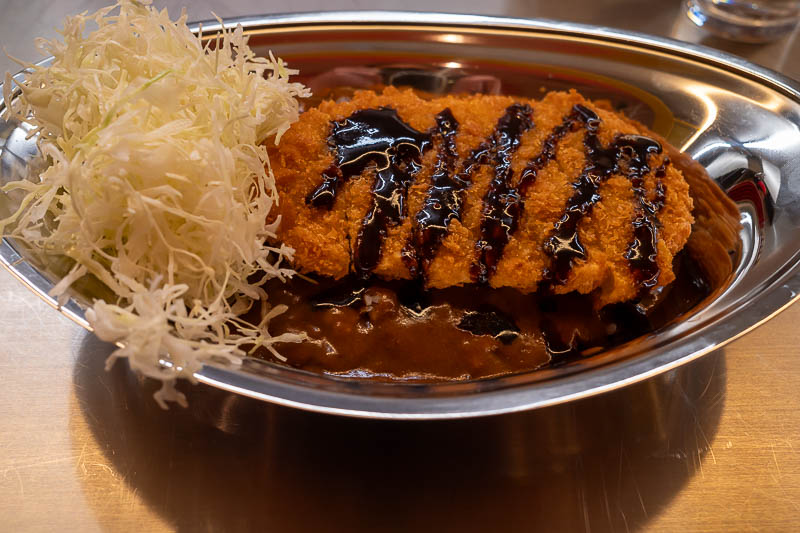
[{"x": 496, "y": 190}]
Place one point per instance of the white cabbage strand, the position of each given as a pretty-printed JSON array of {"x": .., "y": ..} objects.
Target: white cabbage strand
[{"x": 158, "y": 183}]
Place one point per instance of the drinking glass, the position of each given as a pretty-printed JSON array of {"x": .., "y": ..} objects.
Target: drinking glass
[{"x": 754, "y": 21}]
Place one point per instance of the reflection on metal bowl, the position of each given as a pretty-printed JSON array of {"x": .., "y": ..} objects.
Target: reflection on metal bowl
[
  {"x": 737, "y": 120},
  {"x": 612, "y": 462}
]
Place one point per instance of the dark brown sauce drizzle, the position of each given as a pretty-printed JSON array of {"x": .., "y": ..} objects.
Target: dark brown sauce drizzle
[
  {"x": 503, "y": 205},
  {"x": 642, "y": 252},
  {"x": 660, "y": 197},
  {"x": 379, "y": 136},
  {"x": 376, "y": 136},
  {"x": 443, "y": 201},
  {"x": 564, "y": 244},
  {"x": 446, "y": 194},
  {"x": 388, "y": 207},
  {"x": 501, "y": 202},
  {"x": 367, "y": 136}
]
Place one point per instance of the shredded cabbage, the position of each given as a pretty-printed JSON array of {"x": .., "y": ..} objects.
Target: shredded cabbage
[{"x": 158, "y": 183}]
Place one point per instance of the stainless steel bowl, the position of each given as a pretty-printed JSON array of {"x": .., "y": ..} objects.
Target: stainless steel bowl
[{"x": 727, "y": 113}]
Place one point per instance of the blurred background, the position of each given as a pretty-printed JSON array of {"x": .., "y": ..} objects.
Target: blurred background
[{"x": 23, "y": 20}]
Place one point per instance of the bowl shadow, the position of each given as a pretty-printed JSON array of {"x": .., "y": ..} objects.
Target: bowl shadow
[{"x": 232, "y": 463}]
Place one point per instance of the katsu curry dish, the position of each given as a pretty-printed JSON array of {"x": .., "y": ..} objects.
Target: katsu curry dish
[
  {"x": 207, "y": 207},
  {"x": 472, "y": 236}
]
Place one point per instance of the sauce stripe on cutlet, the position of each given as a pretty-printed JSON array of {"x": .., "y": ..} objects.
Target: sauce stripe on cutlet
[
  {"x": 564, "y": 244},
  {"x": 503, "y": 207},
  {"x": 388, "y": 206},
  {"x": 501, "y": 203},
  {"x": 367, "y": 136},
  {"x": 642, "y": 252},
  {"x": 445, "y": 197},
  {"x": 381, "y": 137},
  {"x": 442, "y": 202}
]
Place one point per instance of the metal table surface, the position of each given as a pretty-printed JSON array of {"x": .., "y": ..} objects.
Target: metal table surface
[{"x": 712, "y": 446}]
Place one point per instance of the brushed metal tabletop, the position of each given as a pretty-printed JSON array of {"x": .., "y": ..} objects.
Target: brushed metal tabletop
[{"x": 712, "y": 446}]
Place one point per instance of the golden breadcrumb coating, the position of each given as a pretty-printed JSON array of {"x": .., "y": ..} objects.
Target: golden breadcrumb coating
[{"x": 324, "y": 239}]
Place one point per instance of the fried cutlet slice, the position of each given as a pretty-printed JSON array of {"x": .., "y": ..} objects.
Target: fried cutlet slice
[{"x": 325, "y": 239}]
